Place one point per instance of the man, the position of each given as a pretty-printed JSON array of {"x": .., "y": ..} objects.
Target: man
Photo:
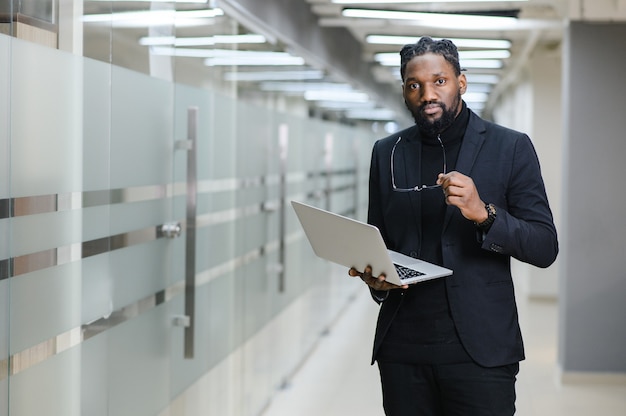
[{"x": 452, "y": 346}]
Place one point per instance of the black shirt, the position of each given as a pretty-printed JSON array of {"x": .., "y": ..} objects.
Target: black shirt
[{"x": 423, "y": 330}]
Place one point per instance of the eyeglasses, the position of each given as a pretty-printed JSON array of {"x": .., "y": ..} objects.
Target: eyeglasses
[{"x": 415, "y": 188}]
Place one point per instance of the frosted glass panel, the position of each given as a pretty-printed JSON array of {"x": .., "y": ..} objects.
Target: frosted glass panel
[
  {"x": 97, "y": 278},
  {"x": 108, "y": 135},
  {"x": 4, "y": 347},
  {"x": 96, "y": 126},
  {"x": 44, "y": 304},
  {"x": 5, "y": 84},
  {"x": 142, "y": 144},
  {"x": 57, "y": 386},
  {"x": 45, "y": 160},
  {"x": 223, "y": 142},
  {"x": 5, "y": 250},
  {"x": 46, "y": 125},
  {"x": 139, "y": 370}
]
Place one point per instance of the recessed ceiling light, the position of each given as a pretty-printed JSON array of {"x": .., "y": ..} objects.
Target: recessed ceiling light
[
  {"x": 459, "y": 21},
  {"x": 459, "y": 42},
  {"x": 393, "y": 58},
  {"x": 334, "y": 95},
  {"x": 150, "y": 18},
  {"x": 201, "y": 41},
  {"x": 256, "y": 76},
  {"x": 416, "y": 1},
  {"x": 303, "y": 86}
]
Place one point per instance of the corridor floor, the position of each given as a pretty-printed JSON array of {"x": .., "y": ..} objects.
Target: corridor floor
[{"x": 338, "y": 380}]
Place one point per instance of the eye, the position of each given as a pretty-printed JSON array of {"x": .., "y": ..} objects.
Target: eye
[
  {"x": 414, "y": 86},
  {"x": 440, "y": 81}
]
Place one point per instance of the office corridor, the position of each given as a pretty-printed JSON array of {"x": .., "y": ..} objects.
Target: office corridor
[{"x": 338, "y": 380}]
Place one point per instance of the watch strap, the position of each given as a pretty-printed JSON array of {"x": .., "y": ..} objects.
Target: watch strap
[{"x": 491, "y": 217}]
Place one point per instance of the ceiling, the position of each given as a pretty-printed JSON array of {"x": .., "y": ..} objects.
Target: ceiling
[
  {"x": 319, "y": 32},
  {"x": 537, "y": 24}
]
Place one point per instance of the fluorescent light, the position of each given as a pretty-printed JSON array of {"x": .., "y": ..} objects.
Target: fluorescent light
[
  {"x": 230, "y": 57},
  {"x": 252, "y": 61},
  {"x": 459, "y": 42},
  {"x": 484, "y": 88},
  {"x": 482, "y": 79},
  {"x": 154, "y": 18},
  {"x": 201, "y": 41},
  {"x": 153, "y": 1},
  {"x": 157, "y": 40},
  {"x": 493, "y": 54},
  {"x": 466, "y": 57},
  {"x": 344, "y": 105},
  {"x": 257, "y": 76},
  {"x": 300, "y": 87},
  {"x": 475, "y": 97},
  {"x": 460, "y": 21},
  {"x": 481, "y": 63},
  {"x": 372, "y": 114},
  {"x": 247, "y": 38},
  {"x": 334, "y": 95},
  {"x": 183, "y": 52},
  {"x": 387, "y": 58},
  {"x": 416, "y": 1}
]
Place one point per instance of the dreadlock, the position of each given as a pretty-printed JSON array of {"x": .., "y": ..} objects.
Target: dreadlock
[{"x": 426, "y": 44}]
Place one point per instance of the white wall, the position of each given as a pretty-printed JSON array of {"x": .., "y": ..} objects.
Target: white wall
[{"x": 533, "y": 105}]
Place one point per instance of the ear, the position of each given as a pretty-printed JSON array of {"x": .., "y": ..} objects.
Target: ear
[{"x": 462, "y": 83}]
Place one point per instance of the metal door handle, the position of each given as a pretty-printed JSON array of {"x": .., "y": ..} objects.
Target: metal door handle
[
  {"x": 171, "y": 230},
  {"x": 190, "y": 230}
]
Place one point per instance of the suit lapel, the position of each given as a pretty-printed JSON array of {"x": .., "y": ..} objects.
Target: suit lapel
[{"x": 471, "y": 145}]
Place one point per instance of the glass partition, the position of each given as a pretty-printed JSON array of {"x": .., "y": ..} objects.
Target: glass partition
[
  {"x": 150, "y": 260},
  {"x": 5, "y": 221}
]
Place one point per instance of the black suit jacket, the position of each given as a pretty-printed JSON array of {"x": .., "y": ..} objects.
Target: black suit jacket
[{"x": 504, "y": 166}]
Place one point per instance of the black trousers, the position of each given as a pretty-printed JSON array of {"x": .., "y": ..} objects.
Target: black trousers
[{"x": 465, "y": 389}]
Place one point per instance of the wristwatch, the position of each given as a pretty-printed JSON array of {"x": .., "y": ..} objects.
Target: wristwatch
[{"x": 491, "y": 217}]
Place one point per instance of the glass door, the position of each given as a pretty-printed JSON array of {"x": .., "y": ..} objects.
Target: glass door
[
  {"x": 135, "y": 121},
  {"x": 5, "y": 84},
  {"x": 150, "y": 263},
  {"x": 92, "y": 211}
]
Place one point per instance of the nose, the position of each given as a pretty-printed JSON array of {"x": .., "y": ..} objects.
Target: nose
[{"x": 429, "y": 93}]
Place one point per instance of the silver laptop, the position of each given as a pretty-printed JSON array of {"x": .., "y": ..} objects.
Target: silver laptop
[{"x": 352, "y": 243}]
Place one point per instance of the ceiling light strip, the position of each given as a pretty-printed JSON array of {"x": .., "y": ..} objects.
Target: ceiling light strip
[
  {"x": 256, "y": 76},
  {"x": 418, "y": 1},
  {"x": 448, "y": 18},
  {"x": 459, "y": 42},
  {"x": 202, "y": 40}
]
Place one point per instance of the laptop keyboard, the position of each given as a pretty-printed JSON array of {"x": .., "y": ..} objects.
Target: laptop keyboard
[{"x": 406, "y": 273}]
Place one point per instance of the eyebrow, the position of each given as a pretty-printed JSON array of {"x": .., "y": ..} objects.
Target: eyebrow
[{"x": 434, "y": 75}]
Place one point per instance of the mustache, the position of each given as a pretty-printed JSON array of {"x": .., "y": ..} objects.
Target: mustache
[{"x": 422, "y": 106}]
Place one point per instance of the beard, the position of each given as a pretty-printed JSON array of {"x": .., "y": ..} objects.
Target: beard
[{"x": 435, "y": 127}]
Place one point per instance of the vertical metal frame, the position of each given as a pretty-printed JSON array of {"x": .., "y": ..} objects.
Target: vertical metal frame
[
  {"x": 190, "y": 230},
  {"x": 283, "y": 148}
]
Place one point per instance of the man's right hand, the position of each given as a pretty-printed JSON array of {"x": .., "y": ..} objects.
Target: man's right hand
[{"x": 376, "y": 283}]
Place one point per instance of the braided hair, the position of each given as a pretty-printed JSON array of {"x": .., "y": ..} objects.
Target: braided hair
[{"x": 426, "y": 44}]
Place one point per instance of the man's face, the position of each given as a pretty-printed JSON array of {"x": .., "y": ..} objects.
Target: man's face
[{"x": 432, "y": 92}]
